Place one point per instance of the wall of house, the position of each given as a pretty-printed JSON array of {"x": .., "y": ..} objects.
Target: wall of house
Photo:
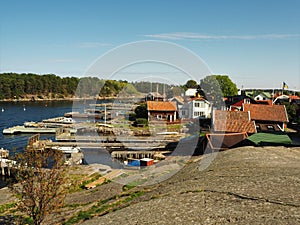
[{"x": 200, "y": 109}]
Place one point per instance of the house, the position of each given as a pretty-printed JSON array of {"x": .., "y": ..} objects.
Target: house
[
  {"x": 191, "y": 92},
  {"x": 265, "y": 102},
  {"x": 194, "y": 108},
  {"x": 179, "y": 102},
  {"x": 263, "y": 96},
  {"x": 281, "y": 99},
  {"x": 159, "y": 110},
  {"x": 236, "y": 102},
  {"x": 268, "y": 118},
  {"x": 232, "y": 122},
  {"x": 155, "y": 96}
]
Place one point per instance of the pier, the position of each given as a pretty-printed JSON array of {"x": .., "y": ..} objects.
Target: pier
[
  {"x": 124, "y": 155},
  {"x": 6, "y": 167},
  {"x": 108, "y": 146}
]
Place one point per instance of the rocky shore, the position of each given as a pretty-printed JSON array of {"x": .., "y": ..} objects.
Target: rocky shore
[
  {"x": 242, "y": 186},
  {"x": 246, "y": 185}
]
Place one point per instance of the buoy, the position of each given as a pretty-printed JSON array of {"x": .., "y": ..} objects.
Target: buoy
[{"x": 2, "y": 110}]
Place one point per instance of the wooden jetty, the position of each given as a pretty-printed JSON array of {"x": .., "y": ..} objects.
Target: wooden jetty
[
  {"x": 108, "y": 146},
  {"x": 23, "y": 129},
  {"x": 6, "y": 166},
  {"x": 124, "y": 155}
]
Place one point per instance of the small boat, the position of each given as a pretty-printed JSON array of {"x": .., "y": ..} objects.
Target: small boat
[
  {"x": 68, "y": 149},
  {"x": 2, "y": 110}
]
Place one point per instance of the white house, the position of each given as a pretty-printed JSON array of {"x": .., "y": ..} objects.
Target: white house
[
  {"x": 262, "y": 96},
  {"x": 195, "y": 108},
  {"x": 191, "y": 92}
]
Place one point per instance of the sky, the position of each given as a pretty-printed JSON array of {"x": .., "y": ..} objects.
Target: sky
[{"x": 256, "y": 43}]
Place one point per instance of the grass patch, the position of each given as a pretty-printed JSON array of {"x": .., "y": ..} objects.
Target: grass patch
[
  {"x": 6, "y": 207},
  {"x": 104, "y": 207}
]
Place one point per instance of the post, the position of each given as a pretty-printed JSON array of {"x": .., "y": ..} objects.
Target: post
[{"x": 104, "y": 113}]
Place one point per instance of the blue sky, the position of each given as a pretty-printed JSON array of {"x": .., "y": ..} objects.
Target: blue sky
[{"x": 257, "y": 43}]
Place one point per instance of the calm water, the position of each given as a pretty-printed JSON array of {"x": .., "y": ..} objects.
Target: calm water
[{"x": 14, "y": 114}]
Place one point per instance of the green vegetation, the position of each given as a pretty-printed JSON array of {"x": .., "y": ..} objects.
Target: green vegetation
[
  {"x": 190, "y": 84},
  {"x": 141, "y": 111},
  {"x": 41, "y": 190},
  {"x": 104, "y": 206},
  {"x": 6, "y": 207},
  {"x": 217, "y": 86},
  {"x": 146, "y": 87},
  {"x": 140, "y": 122},
  {"x": 292, "y": 112},
  {"x": 14, "y": 85},
  {"x": 228, "y": 88}
]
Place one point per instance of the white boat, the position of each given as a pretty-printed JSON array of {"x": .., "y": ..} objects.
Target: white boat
[{"x": 68, "y": 149}]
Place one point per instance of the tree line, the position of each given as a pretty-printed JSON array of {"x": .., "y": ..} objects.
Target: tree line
[
  {"x": 18, "y": 86},
  {"x": 15, "y": 86}
]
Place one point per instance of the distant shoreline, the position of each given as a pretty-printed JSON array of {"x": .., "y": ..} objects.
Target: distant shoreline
[{"x": 64, "y": 99}]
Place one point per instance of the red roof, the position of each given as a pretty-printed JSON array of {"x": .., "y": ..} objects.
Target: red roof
[
  {"x": 161, "y": 106},
  {"x": 231, "y": 115},
  {"x": 233, "y": 121},
  {"x": 276, "y": 113},
  {"x": 235, "y": 126},
  {"x": 294, "y": 97}
]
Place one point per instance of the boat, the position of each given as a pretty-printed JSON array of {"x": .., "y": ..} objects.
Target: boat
[{"x": 68, "y": 149}]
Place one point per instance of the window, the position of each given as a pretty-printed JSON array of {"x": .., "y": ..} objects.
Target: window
[
  {"x": 197, "y": 104},
  {"x": 198, "y": 114},
  {"x": 202, "y": 105},
  {"x": 183, "y": 112}
]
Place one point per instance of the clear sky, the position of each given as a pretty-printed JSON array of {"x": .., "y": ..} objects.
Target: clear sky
[{"x": 257, "y": 42}]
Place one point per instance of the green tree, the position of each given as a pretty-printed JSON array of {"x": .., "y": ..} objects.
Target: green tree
[
  {"x": 227, "y": 86},
  {"x": 141, "y": 111},
  {"x": 291, "y": 111},
  {"x": 209, "y": 86},
  {"x": 190, "y": 84}
]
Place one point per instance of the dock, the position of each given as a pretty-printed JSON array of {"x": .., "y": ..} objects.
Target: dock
[
  {"x": 124, "y": 155},
  {"x": 32, "y": 130},
  {"x": 108, "y": 146},
  {"x": 6, "y": 167},
  {"x": 35, "y": 130}
]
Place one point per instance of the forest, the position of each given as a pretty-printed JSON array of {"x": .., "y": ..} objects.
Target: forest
[
  {"x": 47, "y": 86},
  {"x": 16, "y": 86}
]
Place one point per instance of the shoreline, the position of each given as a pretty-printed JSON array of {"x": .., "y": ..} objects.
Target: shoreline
[{"x": 67, "y": 99}]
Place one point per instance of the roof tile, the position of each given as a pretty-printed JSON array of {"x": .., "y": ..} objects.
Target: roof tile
[
  {"x": 276, "y": 113},
  {"x": 161, "y": 106}
]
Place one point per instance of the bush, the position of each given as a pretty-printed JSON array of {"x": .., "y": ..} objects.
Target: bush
[
  {"x": 132, "y": 117},
  {"x": 140, "y": 122}
]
